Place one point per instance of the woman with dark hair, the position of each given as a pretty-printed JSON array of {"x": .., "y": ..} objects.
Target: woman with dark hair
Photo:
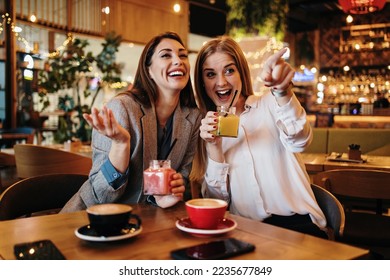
[
  {"x": 260, "y": 173},
  {"x": 141, "y": 125}
]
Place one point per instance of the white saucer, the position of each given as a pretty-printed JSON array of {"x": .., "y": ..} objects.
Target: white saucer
[
  {"x": 224, "y": 226},
  {"x": 88, "y": 233}
]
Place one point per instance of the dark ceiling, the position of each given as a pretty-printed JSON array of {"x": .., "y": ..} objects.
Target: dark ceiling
[{"x": 304, "y": 15}]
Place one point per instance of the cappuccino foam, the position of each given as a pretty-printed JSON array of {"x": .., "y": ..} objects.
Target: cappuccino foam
[
  {"x": 204, "y": 202},
  {"x": 109, "y": 209}
]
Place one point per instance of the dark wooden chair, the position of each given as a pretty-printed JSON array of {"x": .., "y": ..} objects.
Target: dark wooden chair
[
  {"x": 34, "y": 160},
  {"x": 7, "y": 170},
  {"x": 45, "y": 194},
  {"x": 332, "y": 209},
  {"x": 10, "y": 137},
  {"x": 364, "y": 228}
]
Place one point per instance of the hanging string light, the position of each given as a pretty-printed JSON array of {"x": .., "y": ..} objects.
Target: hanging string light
[
  {"x": 6, "y": 19},
  {"x": 62, "y": 47}
]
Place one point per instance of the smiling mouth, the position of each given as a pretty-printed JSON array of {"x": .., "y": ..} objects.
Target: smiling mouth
[
  {"x": 176, "y": 74},
  {"x": 224, "y": 94}
]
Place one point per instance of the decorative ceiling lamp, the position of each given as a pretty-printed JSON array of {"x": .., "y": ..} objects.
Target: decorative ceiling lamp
[{"x": 361, "y": 6}]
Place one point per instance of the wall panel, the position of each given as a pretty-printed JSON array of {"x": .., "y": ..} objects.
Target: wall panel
[{"x": 138, "y": 20}]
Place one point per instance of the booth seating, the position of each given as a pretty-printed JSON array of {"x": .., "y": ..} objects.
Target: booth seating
[{"x": 372, "y": 141}]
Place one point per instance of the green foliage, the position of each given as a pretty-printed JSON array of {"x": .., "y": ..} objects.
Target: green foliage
[
  {"x": 65, "y": 70},
  {"x": 65, "y": 66},
  {"x": 257, "y": 18},
  {"x": 354, "y": 146},
  {"x": 105, "y": 61}
]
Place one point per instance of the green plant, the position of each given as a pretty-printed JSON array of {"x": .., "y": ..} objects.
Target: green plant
[
  {"x": 255, "y": 18},
  {"x": 105, "y": 61},
  {"x": 354, "y": 147},
  {"x": 65, "y": 72}
]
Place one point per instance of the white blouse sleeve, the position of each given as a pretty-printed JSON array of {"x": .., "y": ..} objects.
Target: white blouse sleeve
[
  {"x": 216, "y": 180},
  {"x": 295, "y": 130}
]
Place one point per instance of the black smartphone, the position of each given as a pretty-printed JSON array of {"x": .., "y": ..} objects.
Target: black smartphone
[
  {"x": 38, "y": 250},
  {"x": 214, "y": 250}
]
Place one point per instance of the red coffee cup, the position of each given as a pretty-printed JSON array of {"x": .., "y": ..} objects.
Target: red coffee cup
[{"x": 206, "y": 213}]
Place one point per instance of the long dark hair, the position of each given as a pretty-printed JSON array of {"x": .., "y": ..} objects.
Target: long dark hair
[{"x": 144, "y": 88}]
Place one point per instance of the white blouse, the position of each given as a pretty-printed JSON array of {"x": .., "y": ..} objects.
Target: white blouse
[{"x": 265, "y": 171}]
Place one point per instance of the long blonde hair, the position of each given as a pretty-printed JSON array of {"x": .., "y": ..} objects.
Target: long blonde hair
[{"x": 227, "y": 45}]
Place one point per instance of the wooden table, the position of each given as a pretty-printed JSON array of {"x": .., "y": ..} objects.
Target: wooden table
[
  {"x": 314, "y": 163},
  {"x": 160, "y": 235},
  {"x": 372, "y": 162},
  {"x": 317, "y": 162}
]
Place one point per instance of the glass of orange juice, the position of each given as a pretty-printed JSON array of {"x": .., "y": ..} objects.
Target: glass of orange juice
[{"x": 228, "y": 122}]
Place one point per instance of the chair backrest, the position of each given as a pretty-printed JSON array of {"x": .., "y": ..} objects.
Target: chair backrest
[
  {"x": 332, "y": 209},
  {"x": 11, "y": 136},
  {"x": 7, "y": 166},
  {"x": 365, "y": 187},
  {"x": 41, "y": 193},
  {"x": 7, "y": 160},
  {"x": 359, "y": 183},
  {"x": 35, "y": 160}
]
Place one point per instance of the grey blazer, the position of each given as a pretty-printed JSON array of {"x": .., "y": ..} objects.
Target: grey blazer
[{"x": 141, "y": 122}]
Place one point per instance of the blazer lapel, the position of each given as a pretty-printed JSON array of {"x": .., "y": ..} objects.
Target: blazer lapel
[
  {"x": 149, "y": 127},
  {"x": 182, "y": 133}
]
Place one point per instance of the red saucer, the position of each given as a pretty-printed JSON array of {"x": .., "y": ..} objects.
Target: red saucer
[{"x": 226, "y": 225}]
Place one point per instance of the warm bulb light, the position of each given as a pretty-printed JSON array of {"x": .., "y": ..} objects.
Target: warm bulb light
[
  {"x": 106, "y": 10},
  {"x": 176, "y": 8},
  {"x": 33, "y": 18},
  {"x": 17, "y": 29}
]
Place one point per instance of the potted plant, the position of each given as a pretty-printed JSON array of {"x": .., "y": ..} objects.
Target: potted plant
[
  {"x": 354, "y": 152},
  {"x": 68, "y": 74}
]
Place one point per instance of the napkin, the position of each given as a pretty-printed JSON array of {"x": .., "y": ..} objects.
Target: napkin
[{"x": 166, "y": 201}]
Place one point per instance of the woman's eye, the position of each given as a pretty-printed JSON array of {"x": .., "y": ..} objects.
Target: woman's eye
[
  {"x": 166, "y": 55},
  {"x": 184, "y": 55},
  {"x": 210, "y": 74},
  {"x": 229, "y": 71}
]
